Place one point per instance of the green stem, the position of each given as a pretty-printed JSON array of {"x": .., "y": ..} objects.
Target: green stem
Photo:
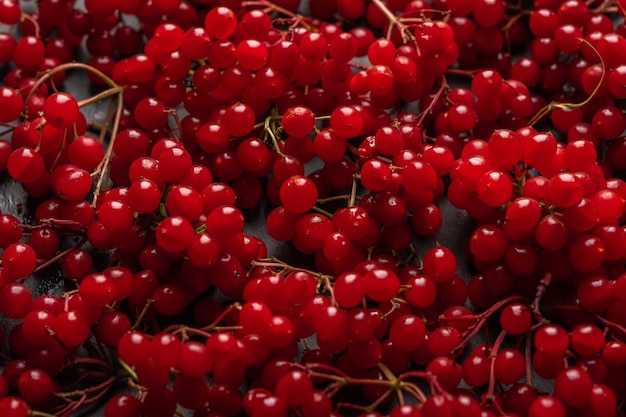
[
  {"x": 568, "y": 106},
  {"x": 110, "y": 92},
  {"x": 35, "y": 413},
  {"x": 143, "y": 313},
  {"x": 131, "y": 373},
  {"x": 322, "y": 211},
  {"x": 66, "y": 67},
  {"x": 107, "y": 156},
  {"x": 355, "y": 185},
  {"x": 333, "y": 198},
  {"x": 270, "y": 133}
]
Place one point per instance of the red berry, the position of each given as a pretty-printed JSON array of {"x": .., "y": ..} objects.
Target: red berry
[
  {"x": 298, "y": 194},
  {"x": 61, "y": 110}
]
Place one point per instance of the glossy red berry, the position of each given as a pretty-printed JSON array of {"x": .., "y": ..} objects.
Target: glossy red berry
[
  {"x": 298, "y": 194},
  {"x": 61, "y": 110}
]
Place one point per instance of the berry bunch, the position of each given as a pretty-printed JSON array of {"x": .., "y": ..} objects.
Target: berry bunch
[{"x": 347, "y": 129}]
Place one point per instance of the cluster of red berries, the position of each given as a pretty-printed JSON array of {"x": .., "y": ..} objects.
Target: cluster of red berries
[{"x": 348, "y": 128}]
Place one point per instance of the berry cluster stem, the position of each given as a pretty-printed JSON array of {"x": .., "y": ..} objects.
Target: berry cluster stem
[
  {"x": 559, "y": 105},
  {"x": 394, "y": 22}
]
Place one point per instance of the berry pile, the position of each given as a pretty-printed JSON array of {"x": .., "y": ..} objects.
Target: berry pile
[{"x": 345, "y": 128}]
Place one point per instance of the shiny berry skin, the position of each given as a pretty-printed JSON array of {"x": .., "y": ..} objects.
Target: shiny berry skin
[
  {"x": 13, "y": 407},
  {"x": 298, "y": 194},
  {"x": 11, "y": 104},
  {"x": 61, "y": 110},
  {"x": 174, "y": 234},
  {"x": 122, "y": 405},
  {"x": 19, "y": 260},
  {"x": 220, "y": 22},
  {"x": 35, "y": 385},
  {"x": 573, "y": 386},
  {"x": 298, "y": 121}
]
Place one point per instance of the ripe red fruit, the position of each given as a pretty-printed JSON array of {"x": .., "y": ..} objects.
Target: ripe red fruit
[
  {"x": 573, "y": 386},
  {"x": 298, "y": 121},
  {"x": 60, "y": 110},
  {"x": 298, "y": 194},
  {"x": 401, "y": 327}
]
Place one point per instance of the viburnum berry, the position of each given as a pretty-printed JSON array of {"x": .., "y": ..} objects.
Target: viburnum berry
[
  {"x": 419, "y": 177},
  {"x": 439, "y": 264},
  {"x": 35, "y": 385},
  {"x": 150, "y": 113},
  {"x": 85, "y": 152},
  {"x": 97, "y": 289},
  {"x": 11, "y": 104},
  {"x": 29, "y": 53},
  {"x": 573, "y": 386},
  {"x": 298, "y": 121},
  {"x": 115, "y": 215},
  {"x": 61, "y": 110},
  {"x": 71, "y": 182},
  {"x": 495, "y": 188},
  {"x": 71, "y": 328},
  {"x": 122, "y": 404},
  {"x": 19, "y": 260},
  {"x": 298, "y": 194},
  {"x": 144, "y": 196},
  {"x": 552, "y": 339},
  {"x": 204, "y": 250},
  {"x": 381, "y": 284},
  {"x": 17, "y": 300},
  {"x": 407, "y": 324},
  {"x": 346, "y": 121},
  {"x": 294, "y": 121},
  {"x": 488, "y": 243},
  {"x": 252, "y": 54},
  {"x": 174, "y": 234},
  {"x": 174, "y": 164},
  {"x": 546, "y": 405},
  {"x": 509, "y": 366},
  {"x": 168, "y": 36}
]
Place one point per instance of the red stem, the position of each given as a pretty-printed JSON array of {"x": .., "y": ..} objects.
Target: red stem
[
  {"x": 60, "y": 255},
  {"x": 485, "y": 315},
  {"x": 433, "y": 103},
  {"x": 527, "y": 355},
  {"x": 492, "y": 368}
]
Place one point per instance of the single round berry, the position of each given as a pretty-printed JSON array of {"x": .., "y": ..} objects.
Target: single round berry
[
  {"x": 298, "y": 194},
  {"x": 61, "y": 110}
]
